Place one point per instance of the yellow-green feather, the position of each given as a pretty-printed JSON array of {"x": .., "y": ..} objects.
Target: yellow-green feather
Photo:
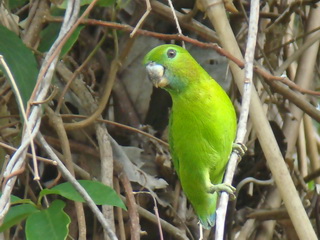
[{"x": 202, "y": 128}]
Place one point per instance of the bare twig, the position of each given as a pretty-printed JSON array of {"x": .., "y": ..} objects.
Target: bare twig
[
  {"x": 156, "y": 212},
  {"x": 242, "y": 125},
  {"x": 176, "y": 20},
  {"x": 106, "y": 167},
  {"x": 253, "y": 180},
  {"x": 142, "y": 19},
  {"x": 191, "y": 25},
  {"x": 121, "y": 229},
  {"x": 34, "y": 23},
  {"x": 46, "y": 160},
  {"x": 136, "y": 130},
  {"x": 312, "y": 175},
  {"x": 132, "y": 206}
]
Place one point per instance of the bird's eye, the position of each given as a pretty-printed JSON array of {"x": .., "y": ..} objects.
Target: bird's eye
[{"x": 171, "y": 53}]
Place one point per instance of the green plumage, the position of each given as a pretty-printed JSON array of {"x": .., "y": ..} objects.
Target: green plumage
[{"x": 202, "y": 125}]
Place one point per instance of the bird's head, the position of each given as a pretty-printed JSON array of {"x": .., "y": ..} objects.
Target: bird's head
[{"x": 170, "y": 67}]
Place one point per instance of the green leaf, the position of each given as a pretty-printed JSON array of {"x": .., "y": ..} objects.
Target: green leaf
[
  {"x": 51, "y": 32},
  {"x": 16, "y": 214},
  {"x": 22, "y": 201},
  {"x": 101, "y": 3},
  {"x": 21, "y": 62},
  {"x": 16, "y": 200},
  {"x": 100, "y": 193},
  {"x": 49, "y": 224}
]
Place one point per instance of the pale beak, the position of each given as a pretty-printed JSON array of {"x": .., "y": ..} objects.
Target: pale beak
[{"x": 156, "y": 74}]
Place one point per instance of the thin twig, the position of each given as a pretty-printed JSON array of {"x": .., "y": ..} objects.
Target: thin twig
[
  {"x": 121, "y": 229},
  {"x": 131, "y": 204},
  {"x": 155, "y": 211},
  {"x": 253, "y": 180},
  {"x": 142, "y": 19},
  {"x": 106, "y": 168},
  {"x": 190, "y": 25},
  {"x": 136, "y": 130},
  {"x": 176, "y": 21},
  {"x": 242, "y": 125}
]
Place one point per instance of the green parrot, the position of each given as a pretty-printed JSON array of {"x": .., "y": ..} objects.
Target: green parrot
[{"x": 202, "y": 126}]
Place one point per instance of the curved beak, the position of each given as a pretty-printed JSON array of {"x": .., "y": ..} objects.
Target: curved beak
[{"x": 156, "y": 74}]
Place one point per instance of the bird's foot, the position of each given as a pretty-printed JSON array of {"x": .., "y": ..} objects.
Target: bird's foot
[
  {"x": 223, "y": 187},
  {"x": 239, "y": 148}
]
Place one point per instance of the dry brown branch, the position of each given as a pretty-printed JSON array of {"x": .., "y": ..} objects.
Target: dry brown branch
[
  {"x": 35, "y": 22},
  {"x": 12, "y": 149},
  {"x": 132, "y": 206},
  {"x": 57, "y": 124},
  {"x": 119, "y": 125},
  {"x": 142, "y": 19},
  {"x": 120, "y": 218},
  {"x": 106, "y": 158}
]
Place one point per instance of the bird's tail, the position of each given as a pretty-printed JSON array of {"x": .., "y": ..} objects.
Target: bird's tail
[{"x": 208, "y": 218}]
